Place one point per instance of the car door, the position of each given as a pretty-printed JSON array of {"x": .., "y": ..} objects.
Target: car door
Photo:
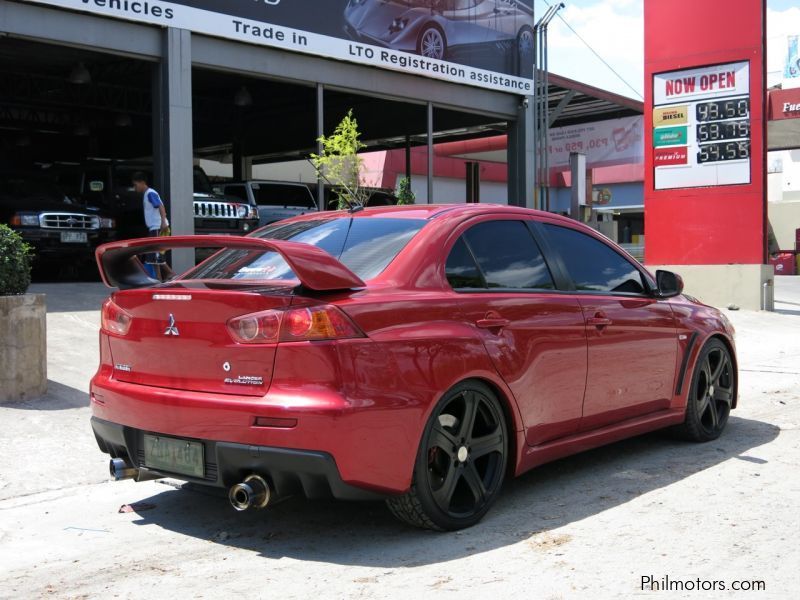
[
  {"x": 536, "y": 337},
  {"x": 632, "y": 336}
]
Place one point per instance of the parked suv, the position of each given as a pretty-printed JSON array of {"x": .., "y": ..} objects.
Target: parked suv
[
  {"x": 274, "y": 200},
  {"x": 55, "y": 224},
  {"x": 110, "y": 184}
]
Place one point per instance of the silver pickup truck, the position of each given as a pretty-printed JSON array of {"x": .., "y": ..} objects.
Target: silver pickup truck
[{"x": 274, "y": 200}]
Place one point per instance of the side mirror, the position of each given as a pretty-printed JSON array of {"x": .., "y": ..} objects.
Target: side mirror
[{"x": 669, "y": 284}]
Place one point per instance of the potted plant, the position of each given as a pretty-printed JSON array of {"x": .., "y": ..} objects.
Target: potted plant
[
  {"x": 405, "y": 195},
  {"x": 23, "y": 345}
]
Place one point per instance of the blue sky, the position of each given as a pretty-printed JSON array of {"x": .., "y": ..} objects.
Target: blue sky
[{"x": 614, "y": 28}]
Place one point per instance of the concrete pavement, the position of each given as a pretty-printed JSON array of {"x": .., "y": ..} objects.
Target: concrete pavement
[{"x": 587, "y": 526}]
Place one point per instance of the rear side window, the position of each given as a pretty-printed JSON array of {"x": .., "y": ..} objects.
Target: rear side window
[
  {"x": 593, "y": 265},
  {"x": 461, "y": 270},
  {"x": 366, "y": 246},
  {"x": 507, "y": 257}
]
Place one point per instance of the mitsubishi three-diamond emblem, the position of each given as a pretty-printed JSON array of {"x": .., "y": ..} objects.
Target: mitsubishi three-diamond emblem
[{"x": 171, "y": 328}]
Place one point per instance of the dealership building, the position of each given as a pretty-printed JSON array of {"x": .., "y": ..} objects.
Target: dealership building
[
  {"x": 173, "y": 82},
  {"x": 252, "y": 84}
]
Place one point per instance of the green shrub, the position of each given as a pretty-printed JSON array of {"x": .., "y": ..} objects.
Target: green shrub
[
  {"x": 405, "y": 195},
  {"x": 15, "y": 263}
]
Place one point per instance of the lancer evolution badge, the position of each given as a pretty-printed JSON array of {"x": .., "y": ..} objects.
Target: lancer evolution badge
[{"x": 171, "y": 328}]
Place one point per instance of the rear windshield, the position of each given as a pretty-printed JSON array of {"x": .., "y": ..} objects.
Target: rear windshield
[{"x": 365, "y": 246}]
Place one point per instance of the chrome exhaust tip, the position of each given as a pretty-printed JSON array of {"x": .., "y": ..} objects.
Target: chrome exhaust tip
[
  {"x": 253, "y": 492},
  {"x": 120, "y": 470}
]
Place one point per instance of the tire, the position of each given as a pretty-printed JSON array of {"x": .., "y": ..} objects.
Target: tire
[
  {"x": 431, "y": 42},
  {"x": 460, "y": 464},
  {"x": 711, "y": 394}
]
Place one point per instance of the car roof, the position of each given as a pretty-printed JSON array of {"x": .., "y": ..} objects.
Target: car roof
[
  {"x": 273, "y": 181},
  {"x": 437, "y": 211}
]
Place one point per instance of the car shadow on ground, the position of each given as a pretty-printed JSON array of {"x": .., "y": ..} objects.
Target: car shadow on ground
[
  {"x": 544, "y": 499},
  {"x": 58, "y": 397}
]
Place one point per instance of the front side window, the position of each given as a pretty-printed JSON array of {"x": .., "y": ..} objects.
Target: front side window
[
  {"x": 366, "y": 246},
  {"x": 507, "y": 258},
  {"x": 593, "y": 265}
]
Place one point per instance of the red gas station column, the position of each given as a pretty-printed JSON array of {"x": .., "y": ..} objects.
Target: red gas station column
[{"x": 705, "y": 148}]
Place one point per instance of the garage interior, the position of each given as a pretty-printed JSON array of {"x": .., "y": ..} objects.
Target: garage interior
[{"x": 63, "y": 106}]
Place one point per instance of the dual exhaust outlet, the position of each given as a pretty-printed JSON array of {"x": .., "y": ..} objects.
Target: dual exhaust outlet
[{"x": 253, "y": 492}]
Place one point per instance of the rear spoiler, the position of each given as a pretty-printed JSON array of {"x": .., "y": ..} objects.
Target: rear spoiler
[{"x": 317, "y": 270}]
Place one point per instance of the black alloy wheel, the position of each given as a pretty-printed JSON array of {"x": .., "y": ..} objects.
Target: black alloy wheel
[
  {"x": 711, "y": 394},
  {"x": 461, "y": 462}
]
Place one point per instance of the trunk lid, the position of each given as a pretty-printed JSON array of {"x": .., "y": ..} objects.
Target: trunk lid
[{"x": 178, "y": 339}]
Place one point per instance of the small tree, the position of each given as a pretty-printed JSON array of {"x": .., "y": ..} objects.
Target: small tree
[
  {"x": 15, "y": 263},
  {"x": 405, "y": 195},
  {"x": 340, "y": 165}
]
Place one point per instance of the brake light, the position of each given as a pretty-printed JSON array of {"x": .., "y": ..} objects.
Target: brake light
[
  {"x": 294, "y": 325},
  {"x": 114, "y": 319},
  {"x": 257, "y": 328}
]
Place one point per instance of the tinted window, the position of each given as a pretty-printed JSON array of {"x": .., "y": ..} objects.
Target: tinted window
[
  {"x": 508, "y": 256},
  {"x": 593, "y": 265},
  {"x": 236, "y": 191},
  {"x": 277, "y": 194},
  {"x": 365, "y": 246},
  {"x": 201, "y": 183},
  {"x": 461, "y": 270}
]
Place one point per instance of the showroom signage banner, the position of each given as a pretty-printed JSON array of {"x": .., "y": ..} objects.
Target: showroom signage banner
[
  {"x": 605, "y": 143},
  {"x": 713, "y": 148},
  {"x": 488, "y": 44},
  {"x": 784, "y": 104}
]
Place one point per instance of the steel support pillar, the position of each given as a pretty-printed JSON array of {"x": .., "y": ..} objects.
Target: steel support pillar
[
  {"x": 172, "y": 145},
  {"x": 521, "y": 157},
  {"x": 320, "y": 133},
  {"x": 430, "y": 153}
]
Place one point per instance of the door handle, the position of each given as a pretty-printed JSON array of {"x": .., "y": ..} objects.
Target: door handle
[
  {"x": 599, "y": 321},
  {"x": 494, "y": 323}
]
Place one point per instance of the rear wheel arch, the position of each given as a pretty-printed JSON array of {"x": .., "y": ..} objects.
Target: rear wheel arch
[{"x": 510, "y": 415}]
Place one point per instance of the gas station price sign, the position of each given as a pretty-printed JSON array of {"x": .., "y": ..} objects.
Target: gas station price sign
[{"x": 701, "y": 127}]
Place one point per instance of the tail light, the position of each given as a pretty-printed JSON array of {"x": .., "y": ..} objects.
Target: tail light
[
  {"x": 294, "y": 325},
  {"x": 114, "y": 319}
]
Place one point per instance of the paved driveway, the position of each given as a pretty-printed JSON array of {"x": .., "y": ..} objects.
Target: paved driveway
[{"x": 588, "y": 526}]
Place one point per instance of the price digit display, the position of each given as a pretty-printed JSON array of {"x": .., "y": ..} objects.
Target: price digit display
[
  {"x": 724, "y": 151},
  {"x": 718, "y": 110},
  {"x": 726, "y": 130}
]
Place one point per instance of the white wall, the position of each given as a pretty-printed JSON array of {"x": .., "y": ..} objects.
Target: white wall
[{"x": 454, "y": 191}]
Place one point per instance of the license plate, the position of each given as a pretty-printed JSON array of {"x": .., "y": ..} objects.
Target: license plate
[
  {"x": 174, "y": 455},
  {"x": 73, "y": 237}
]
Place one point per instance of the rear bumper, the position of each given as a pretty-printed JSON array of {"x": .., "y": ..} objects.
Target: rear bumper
[{"x": 290, "y": 472}]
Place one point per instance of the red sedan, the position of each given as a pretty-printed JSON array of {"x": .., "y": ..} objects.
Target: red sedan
[{"x": 418, "y": 354}]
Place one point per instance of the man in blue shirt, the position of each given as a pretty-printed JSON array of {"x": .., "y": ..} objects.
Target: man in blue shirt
[{"x": 155, "y": 217}]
